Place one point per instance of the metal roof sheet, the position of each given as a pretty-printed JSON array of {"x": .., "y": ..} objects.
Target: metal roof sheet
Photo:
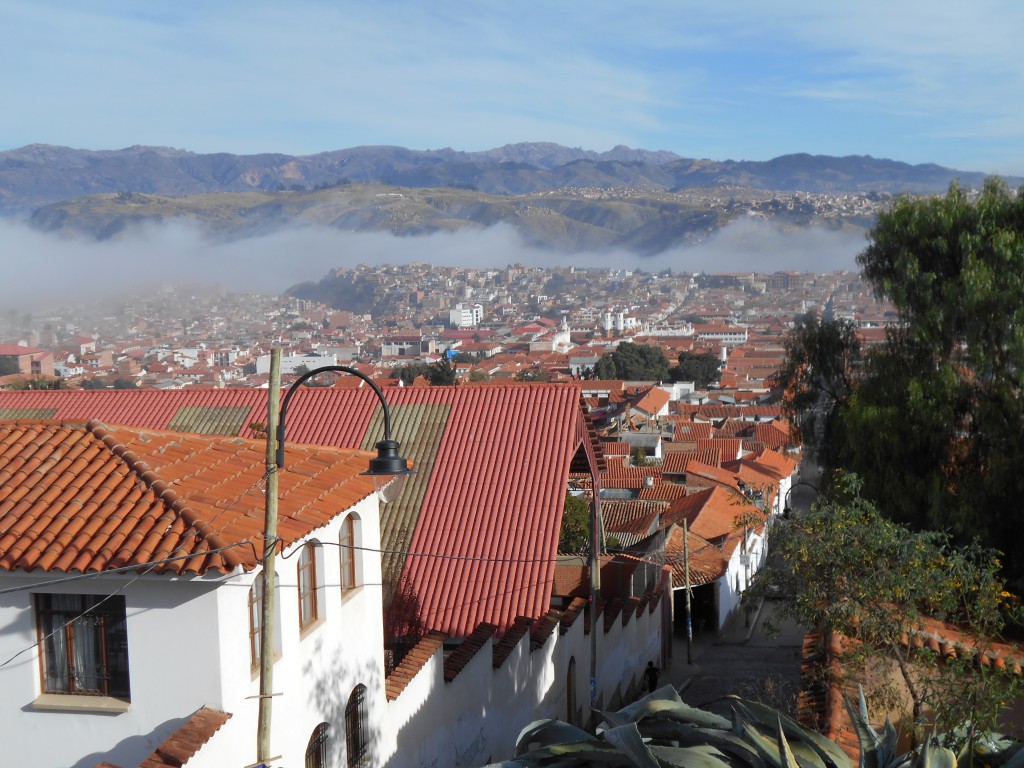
[{"x": 483, "y": 512}]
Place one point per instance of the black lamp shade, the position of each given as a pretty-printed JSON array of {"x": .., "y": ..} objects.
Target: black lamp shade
[{"x": 389, "y": 471}]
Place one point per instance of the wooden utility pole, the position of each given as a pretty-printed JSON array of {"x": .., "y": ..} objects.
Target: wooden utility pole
[
  {"x": 595, "y": 586},
  {"x": 689, "y": 619},
  {"x": 269, "y": 556}
]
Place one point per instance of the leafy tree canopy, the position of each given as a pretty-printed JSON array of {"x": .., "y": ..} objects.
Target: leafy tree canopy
[
  {"x": 702, "y": 368},
  {"x": 633, "y": 362},
  {"x": 932, "y": 419},
  {"x": 847, "y": 569},
  {"x": 439, "y": 374},
  {"x": 532, "y": 374},
  {"x": 575, "y": 531}
]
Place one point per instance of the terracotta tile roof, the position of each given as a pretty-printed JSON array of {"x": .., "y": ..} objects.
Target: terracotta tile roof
[
  {"x": 616, "y": 448},
  {"x": 706, "y": 561},
  {"x": 685, "y": 430},
  {"x": 711, "y": 514},
  {"x": 774, "y": 434},
  {"x": 663, "y": 491},
  {"x": 87, "y": 497},
  {"x": 544, "y": 628},
  {"x": 497, "y": 491},
  {"x": 413, "y": 662},
  {"x": 478, "y": 523},
  {"x": 182, "y": 745},
  {"x": 675, "y": 463},
  {"x": 631, "y": 516},
  {"x": 652, "y": 401},
  {"x": 773, "y": 461},
  {"x": 510, "y": 640},
  {"x": 715, "y": 475},
  {"x": 730, "y": 447},
  {"x": 620, "y": 474},
  {"x": 467, "y": 649}
]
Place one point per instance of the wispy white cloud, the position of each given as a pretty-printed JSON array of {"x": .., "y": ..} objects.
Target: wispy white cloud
[{"x": 936, "y": 80}]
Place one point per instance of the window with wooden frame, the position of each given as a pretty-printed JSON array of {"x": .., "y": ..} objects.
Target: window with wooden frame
[
  {"x": 347, "y": 540},
  {"x": 255, "y": 621},
  {"x": 307, "y": 586},
  {"x": 84, "y": 644}
]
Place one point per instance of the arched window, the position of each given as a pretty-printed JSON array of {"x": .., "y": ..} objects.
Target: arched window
[
  {"x": 356, "y": 737},
  {"x": 316, "y": 749},
  {"x": 255, "y": 621},
  {"x": 307, "y": 586},
  {"x": 349, "y": 554}
]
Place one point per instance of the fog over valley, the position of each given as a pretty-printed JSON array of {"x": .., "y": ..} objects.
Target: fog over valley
[{"x": 44, "y": 269}]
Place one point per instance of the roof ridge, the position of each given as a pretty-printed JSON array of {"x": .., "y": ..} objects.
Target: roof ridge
[{"x": 164, "y": 493}]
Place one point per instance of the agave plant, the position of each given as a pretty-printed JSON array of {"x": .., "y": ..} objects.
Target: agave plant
[{"x": 661, "y": 731}]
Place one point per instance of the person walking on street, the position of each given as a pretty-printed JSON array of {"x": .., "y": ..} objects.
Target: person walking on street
[{"x": 651, "y": 677}]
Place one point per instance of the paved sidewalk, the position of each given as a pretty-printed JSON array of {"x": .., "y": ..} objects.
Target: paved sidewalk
[{"x": 742, "y": 660}]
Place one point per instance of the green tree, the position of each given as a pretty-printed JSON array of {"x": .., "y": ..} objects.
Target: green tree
[
  {"x": 817, "y": 376},
  {"x": 442, "y": 373},
  {"x": 479, "y": 375},
  {"x": 931, "y": 420},
  {"x": 844, "y": 568},
  {"x": 633, "y": 362},
  {"x": 439, "y": 374},
  {"x": 702, "y": 368},
  {"x": 532, "y": 374},
  {"x": 575, "y": 531}
]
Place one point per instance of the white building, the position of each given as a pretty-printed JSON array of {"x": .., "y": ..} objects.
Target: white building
[
  {"x": 466, "y": 315},
  {"x": 105, "y": 666}
]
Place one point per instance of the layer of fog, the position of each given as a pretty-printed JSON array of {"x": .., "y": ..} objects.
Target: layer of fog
[{"x": 42, "y": 269}]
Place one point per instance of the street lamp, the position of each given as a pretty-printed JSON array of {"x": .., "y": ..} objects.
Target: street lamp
[
  {"x": 786, "y": 509},
  {"x": 388, "y": 470}
]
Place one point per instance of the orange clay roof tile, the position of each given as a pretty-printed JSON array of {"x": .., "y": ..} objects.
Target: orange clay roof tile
[{"x": 88, "y": 497}]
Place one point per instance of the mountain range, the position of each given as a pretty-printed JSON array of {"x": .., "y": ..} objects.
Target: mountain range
[{"x": 554, "y": 195}]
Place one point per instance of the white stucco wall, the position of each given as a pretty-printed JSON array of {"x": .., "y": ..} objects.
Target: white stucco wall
[
  {"x": 738, "y": 573},
  {"x": 167, "y": 683},
  {"x": 476, "y": 718},
  {"x": 188, "y": 647}
]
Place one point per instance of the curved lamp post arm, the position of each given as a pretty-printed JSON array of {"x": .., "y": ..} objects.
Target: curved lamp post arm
[
  {"x": 387, "y": 466},
  {"x": 310, "y": 374}
]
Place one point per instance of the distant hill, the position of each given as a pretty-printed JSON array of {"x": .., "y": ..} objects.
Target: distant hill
[
  {"x": 644, "y": 223},
  {"x": 38, "y": 175}
]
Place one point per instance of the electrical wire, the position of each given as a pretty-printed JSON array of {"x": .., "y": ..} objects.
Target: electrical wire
[{"x": 149, "y": 567}]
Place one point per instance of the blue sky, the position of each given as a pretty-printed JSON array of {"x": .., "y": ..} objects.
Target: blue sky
[{"x": 933, "y": 81}]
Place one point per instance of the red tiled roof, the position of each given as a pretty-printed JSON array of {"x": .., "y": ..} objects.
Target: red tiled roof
[
  {"x": 182, "y": 745},
  {"x": 631, "y": 516},
  {"x": 706, "y": 561},
  {"x": 87, "y": 497},
  {"x": 663, "y": 492},
  {"x": 711, "y": 514},
  {"x": 652, "y": 401},
  {"x": 498, "y": 492},
  {"x": 411, "y": 664},
  {"x": 485, "y": 531},
  {"x": 675, "y": 463},
  {"x": 730, "y": 446}
]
